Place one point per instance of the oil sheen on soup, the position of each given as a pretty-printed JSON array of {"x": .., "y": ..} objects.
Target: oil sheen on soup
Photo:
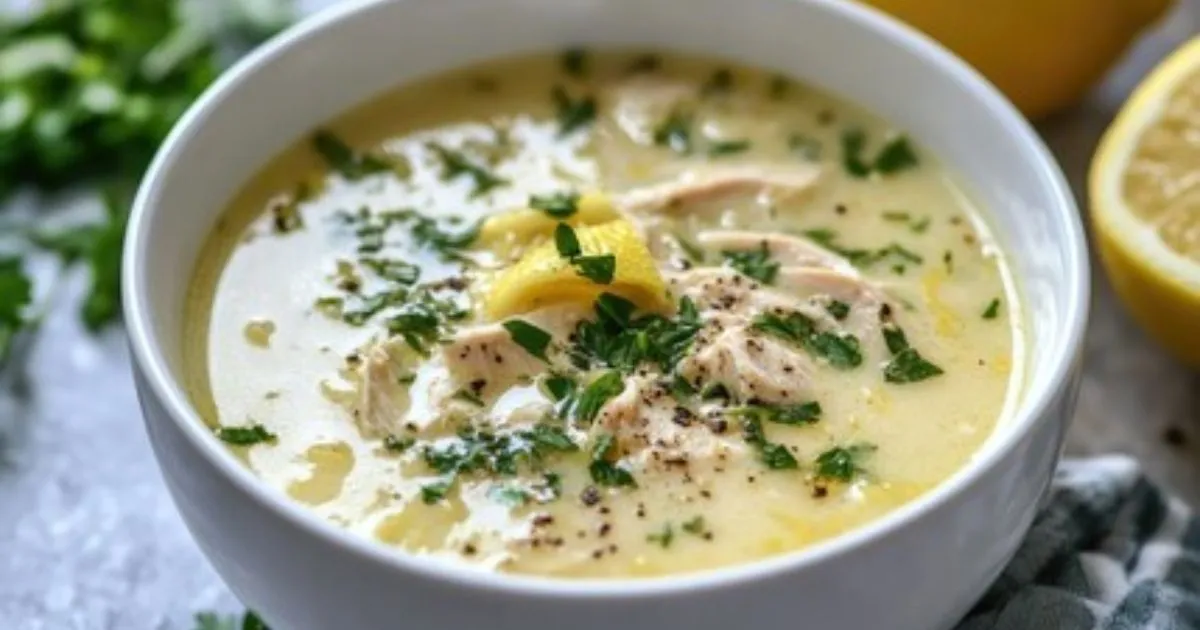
[{"x": 591, "y": 315}]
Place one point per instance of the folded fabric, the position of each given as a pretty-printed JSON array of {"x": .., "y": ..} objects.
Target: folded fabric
[{"x": 1111, "y": 551}]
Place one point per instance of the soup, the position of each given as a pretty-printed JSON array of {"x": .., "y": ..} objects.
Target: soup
[{"x": 603, "y": 315}]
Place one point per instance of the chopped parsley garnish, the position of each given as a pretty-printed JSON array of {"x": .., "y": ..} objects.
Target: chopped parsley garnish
[
  {"x": 558, "y": 205},
  {"x": 663, "y": 537},
  {"x": 895, "y": 156},
  {"x": 572, "y": 114},
  {"x": 600, "y": 268},
  {"x": 429, "y": 233},
  {"x": 351, "y": 164},
  {"x": 756, "y": 263},
  {"x": 398, "y": 444},
  {"x": 366, "y": 308},
  {"x": 424, "y": 319},
  {"x": 681, "y": 389},
  {"x": 828, "y": 239},
  {"x": 566, "y": 242},
  {"x": 213, "y": 621},
  {"x": 559, "y": 386},
  {"x": 721, "y": 82},
  {"x": 715, "y": 391},
  {"x": 843, "y": 463},
  {"x": 393, "y": 269},
  {"x": 455, "y": 165},
  {"x": 604, "y": 472},
  {"x": 495, "y": 454},
  {"x": 695, "y": 526},
  {"x": 948, "y": 261},
  {"x": 906, "y": 365},
  {"x": 841, "y": 350},
  {"x": 838, "y": 309},
  {"x": 774, "y": 456},
  {"x": 804, "y": 146},
  {"x": 433, "y": 493},
  {"x": 597, "y": 394},
  {"x": 617, "y": 340},
  {"x": 718, "y": 148},
  {"x": 534, "y": 340},
  {"x": 574, "y": 62},
  {"x": 917, "y": 225},
  {"x": 15, "y": 295},
  {"x": 993, "y": 309},
  {"x": 245, "y": 436},
  {"x": 795, "y": 415},
  {"x": 675, "y": 133},
  {"x": 510, "y": 495}
]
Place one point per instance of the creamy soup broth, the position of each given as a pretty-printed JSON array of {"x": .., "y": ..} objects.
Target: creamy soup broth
[{"x": 834, "y": 332}]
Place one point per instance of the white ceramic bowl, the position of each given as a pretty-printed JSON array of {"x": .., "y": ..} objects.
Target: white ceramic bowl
[{"x": 920, "y": 568}]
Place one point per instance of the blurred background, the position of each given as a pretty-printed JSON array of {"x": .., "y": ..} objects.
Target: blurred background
[{"x": 88, "y": 88}]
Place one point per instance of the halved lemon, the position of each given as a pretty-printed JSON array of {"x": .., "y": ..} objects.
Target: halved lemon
[
  {"x": 1145, "y": 203},
  {"x": 543, "y": 277}
]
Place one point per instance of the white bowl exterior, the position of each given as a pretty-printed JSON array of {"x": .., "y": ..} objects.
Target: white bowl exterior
[{"x": 918, "y": 569}]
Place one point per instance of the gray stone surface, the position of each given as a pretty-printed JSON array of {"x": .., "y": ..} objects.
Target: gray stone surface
[{"x": 90, "y": 540}]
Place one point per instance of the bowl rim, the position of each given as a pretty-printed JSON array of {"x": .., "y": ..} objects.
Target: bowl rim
[{"x": 1034, "y": 406}]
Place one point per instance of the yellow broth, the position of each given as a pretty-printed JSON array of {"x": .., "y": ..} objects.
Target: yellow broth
[{"x": 277, "y": 371}]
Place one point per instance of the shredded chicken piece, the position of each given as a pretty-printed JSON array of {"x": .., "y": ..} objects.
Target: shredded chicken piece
[
  {"x": 383, "y": 399},
  {"x": 750, "y": 365},
  {"x": 708, "y": 183},
  {"x": 654, "y": 431}
]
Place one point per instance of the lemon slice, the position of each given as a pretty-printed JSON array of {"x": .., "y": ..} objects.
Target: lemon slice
[
  {"x": 1145, "y": 203},
  {"x": 511, "y": 230},
  {"x": 542, "y": 277}
]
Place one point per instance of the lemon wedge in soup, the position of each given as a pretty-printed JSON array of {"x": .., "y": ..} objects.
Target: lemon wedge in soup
[
  {"x": 544, "y": 277},
  {"x": 518, "y": 227}
]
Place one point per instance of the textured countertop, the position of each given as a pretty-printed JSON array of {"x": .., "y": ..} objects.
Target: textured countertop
[{"x": 89, "y": 538}]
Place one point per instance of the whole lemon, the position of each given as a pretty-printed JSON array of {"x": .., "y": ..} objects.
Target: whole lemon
[{"x": 1044, "y": 54}]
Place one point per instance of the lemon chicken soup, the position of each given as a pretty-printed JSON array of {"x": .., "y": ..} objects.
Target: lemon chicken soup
[{"x": 591, "y": 315}]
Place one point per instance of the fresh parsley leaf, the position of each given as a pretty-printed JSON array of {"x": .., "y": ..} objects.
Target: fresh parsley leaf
[
  {"x": 993, "y": 309},
  {"x": 69, "y": 245},
  {"x": 715, "y": 391},
  {"x": 756, "y": 264},
  {"x": 774, "y": 456},
  {"x": 566, "y": 242},
  {"x": 614, "y": 309},
  {"x": 468, "y": 397},
  {"x": 917, "y": 225},
  {"x": 909, "y": 367},
  {"x": 617, "y": 341},
  {"x": 906, "y": 365},
  {"x": 720, "y": 148},
  {"x": 604, "y": 472},
  {"x": 429, "y": 233},
  {"x": 558, "y": 205},
  {"x": 351, "y": 164},
  {"x": 695, "y": 526},
  {"x": 843, "y": 463},
  {"x": 841, "y": 350},
  {"x": 597, "y": 394},
  {"x": 599, "y": 269},
  {"x": 559, "y": 386},
  {"x": 675, "y": 133},
  {"x": 508, "y": 495},
  {"x": 681, "y": 389},
  {"x": 434, "y": 493},
  {"x": 534, "y": 340},
  {"x": 550, "y": 438},
  {"x": 838, "y": 309},
  {"x": 393, "y": 269},
  {"x": 103, "y": 302},
  {"x": 455, "y": 165},
  {"x": 572, "y": 114},
  {"x": 795, "y": 415},
  {"x": 16, "y": 292},
  {"x": 245, "y": 436},
  {"x": 663, "y": 537},
  {"x": 895, "y": 156},
  {"x": 214, "y": 621},
  {"x": 574, "y": 62}
]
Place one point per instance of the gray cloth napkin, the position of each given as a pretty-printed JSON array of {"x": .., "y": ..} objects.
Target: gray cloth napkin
[{"x": 1110, "y": 551}]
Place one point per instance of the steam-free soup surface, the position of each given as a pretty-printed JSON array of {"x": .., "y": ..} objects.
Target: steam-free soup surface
[{"x": 603, "y": 315}]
